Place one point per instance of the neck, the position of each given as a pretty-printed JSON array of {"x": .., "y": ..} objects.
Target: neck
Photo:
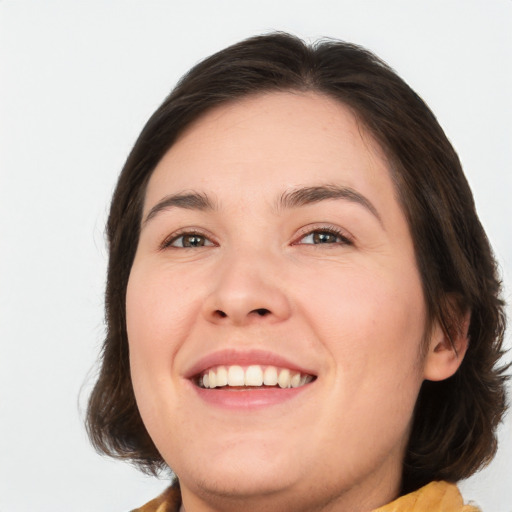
[{"x": 354, "y": 500}]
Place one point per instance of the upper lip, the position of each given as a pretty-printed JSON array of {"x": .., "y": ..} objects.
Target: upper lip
[{"x": 228, "y": 357}]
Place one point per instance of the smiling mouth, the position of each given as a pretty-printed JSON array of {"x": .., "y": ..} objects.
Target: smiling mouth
[{"x": 251, "y": 377}]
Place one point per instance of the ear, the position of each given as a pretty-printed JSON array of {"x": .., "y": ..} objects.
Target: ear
[{"x": 447, "y": 348}]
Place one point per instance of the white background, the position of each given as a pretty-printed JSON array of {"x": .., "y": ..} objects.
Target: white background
[{"x": 77, "y": 82}]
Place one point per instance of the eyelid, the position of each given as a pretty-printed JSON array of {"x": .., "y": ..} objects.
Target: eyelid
[
  {"x": 347, "y": 238},
  {"x": 168, "y": 240}
]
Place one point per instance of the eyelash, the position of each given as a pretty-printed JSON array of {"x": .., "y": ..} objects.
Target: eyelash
[
  {"x": 169, "y": 241},
  {"x": 331, "y": 230}
]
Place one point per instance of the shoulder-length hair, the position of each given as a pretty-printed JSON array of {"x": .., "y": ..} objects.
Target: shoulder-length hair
[{"x": 453, "y": 432}]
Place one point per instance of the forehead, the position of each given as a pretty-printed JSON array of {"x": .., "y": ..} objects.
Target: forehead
[{"x": 273, "y": 141}]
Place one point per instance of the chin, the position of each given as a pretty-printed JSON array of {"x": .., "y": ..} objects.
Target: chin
[
  {"x": 245, "y": 484},
  {"x": 242, "y": 474}
]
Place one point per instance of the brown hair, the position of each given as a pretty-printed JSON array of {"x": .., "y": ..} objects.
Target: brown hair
[{"x": 453, "y": 433}]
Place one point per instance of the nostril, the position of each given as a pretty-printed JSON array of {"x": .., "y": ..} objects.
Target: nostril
[
  {"x": 261, "y": 311},
  {"x": 218, "y": 313}
]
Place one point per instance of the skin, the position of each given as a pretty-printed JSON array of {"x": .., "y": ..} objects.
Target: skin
[{"x": 350, "y": 310}]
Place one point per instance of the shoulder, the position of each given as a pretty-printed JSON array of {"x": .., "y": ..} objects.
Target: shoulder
[
  {"x": 434, "y": 497},
  {"x": 168, "y": 501}
]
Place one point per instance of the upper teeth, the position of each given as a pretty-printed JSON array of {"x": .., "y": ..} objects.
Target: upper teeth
[{"x": 254, "y": 376}]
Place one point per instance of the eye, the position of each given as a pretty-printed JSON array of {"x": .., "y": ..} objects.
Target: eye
[
  {"x": 188, "y": 240},
  {"x": 327, "y": 236}
]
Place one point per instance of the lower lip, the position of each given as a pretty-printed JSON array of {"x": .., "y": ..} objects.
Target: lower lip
[{"x": 250, "y": 398}]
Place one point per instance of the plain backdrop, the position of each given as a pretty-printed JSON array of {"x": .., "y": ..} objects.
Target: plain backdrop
[{"x": 77, "y": 82}]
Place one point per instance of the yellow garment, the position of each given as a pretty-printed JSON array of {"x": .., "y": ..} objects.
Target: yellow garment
[
  {"x": 168, "y": 501},
  {"x": 434, "y": 497}
]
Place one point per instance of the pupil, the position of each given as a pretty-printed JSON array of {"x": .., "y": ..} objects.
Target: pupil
[
  {"x": 193, "y": 241},
  {"x": 323, "y": 238}
]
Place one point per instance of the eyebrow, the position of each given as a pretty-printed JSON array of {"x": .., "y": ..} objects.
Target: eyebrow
[
  {"x": 309, "y": 195},
  {"x": 288, "y": 200},
  {"x": 186, "y": 200}
]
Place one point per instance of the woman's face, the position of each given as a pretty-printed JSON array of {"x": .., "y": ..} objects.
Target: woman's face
[{"x": 273, "y": 249}]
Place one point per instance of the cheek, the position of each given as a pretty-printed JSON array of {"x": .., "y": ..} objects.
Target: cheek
[
  {"x": 158, "y": 318},
  {"x": 158, "y": 310},
  {"x": 368, "y": 320},
  {"x": 371, "y": 325}
]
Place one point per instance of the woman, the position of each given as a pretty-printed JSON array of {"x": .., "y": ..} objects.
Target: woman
[{"x": 303, "y": 308}]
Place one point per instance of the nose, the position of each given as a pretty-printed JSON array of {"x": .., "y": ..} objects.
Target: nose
[{"x": 246, "y": 290}]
